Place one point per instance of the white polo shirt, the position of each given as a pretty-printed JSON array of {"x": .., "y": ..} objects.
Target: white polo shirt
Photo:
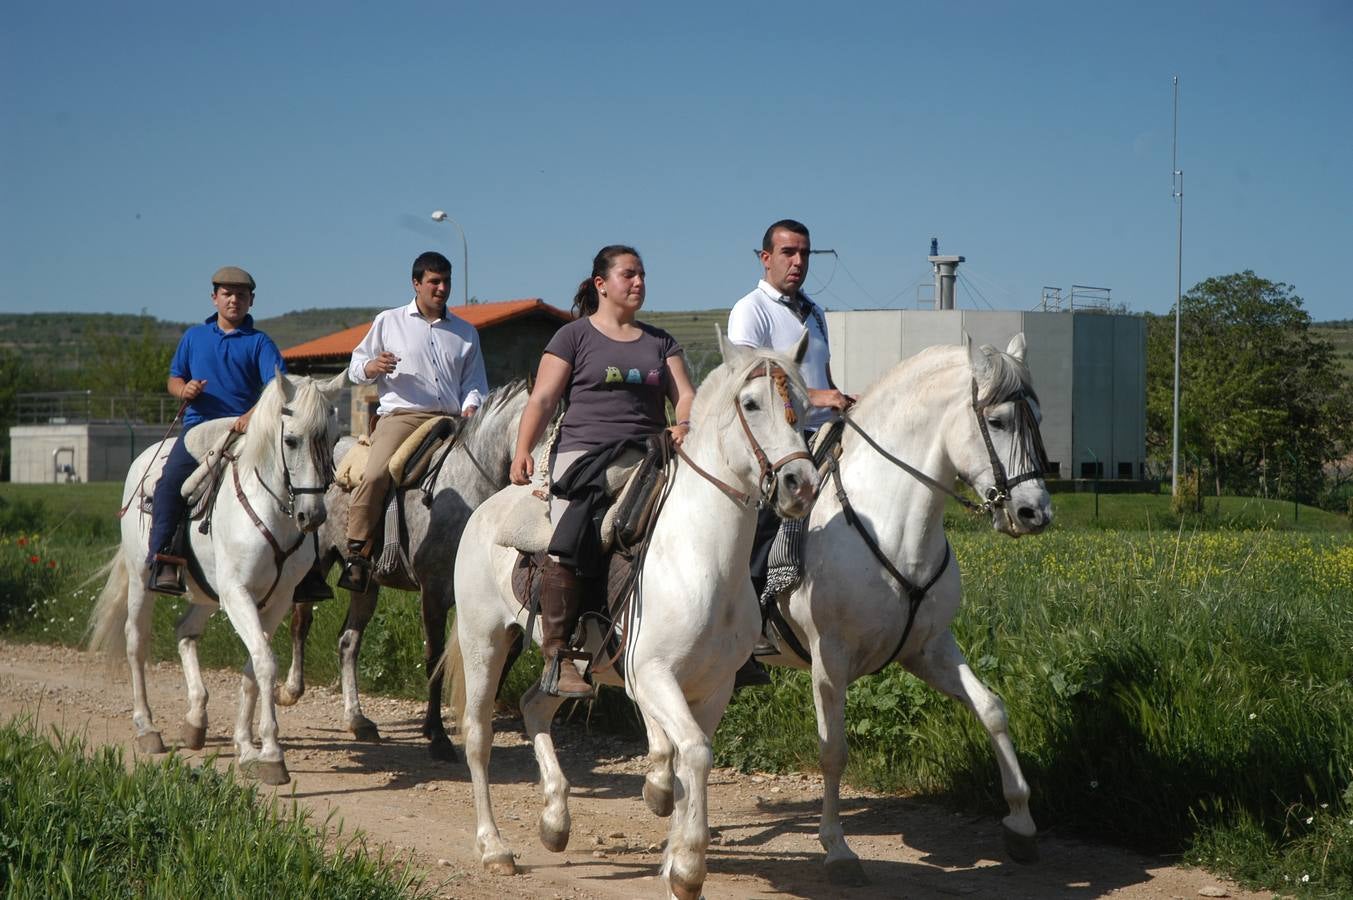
[
  {"x": 440, "y": 366},
  {"x": 763, "y": 319}
]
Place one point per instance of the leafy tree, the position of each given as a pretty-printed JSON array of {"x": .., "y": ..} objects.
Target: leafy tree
[{"x": 1264, "y": 402}]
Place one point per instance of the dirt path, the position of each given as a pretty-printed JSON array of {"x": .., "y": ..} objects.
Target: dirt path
[{"x": 765, "y": 828}]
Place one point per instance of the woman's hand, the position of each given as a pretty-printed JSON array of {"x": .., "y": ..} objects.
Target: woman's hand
[
  {"x": 523, "y": 467},
  {"x": 679, "y": 432}
]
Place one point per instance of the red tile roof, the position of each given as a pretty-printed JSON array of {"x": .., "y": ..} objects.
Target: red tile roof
[{"x": 480, "y": 315}]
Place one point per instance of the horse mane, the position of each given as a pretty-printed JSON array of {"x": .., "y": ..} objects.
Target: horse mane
[
  {"x": 1006, "y": 375},
  {"x": 308, "y": 411},
  {"x": 496, "y": 398},
  {"x": 719, "y": 388}
]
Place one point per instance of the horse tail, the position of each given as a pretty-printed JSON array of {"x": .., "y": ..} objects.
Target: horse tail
[
  {"x": 451, "y": 668},
  {"x": 107, "y": 625}
]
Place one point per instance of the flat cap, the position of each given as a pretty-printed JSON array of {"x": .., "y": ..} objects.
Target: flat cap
[{"x": 233, "y": 275}]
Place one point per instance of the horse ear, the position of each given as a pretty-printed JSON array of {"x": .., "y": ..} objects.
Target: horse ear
[
  {"x": 800, "y": 347},
  {"x": 732, "y": 353},
  {"x": 331, "y": 388},
  {"x": 977, "y": 360},
  {"x": 1016, "y": 348},
  {"x": 284, "y": 385}
]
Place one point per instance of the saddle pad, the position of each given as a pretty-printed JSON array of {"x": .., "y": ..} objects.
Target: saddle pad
[
  {"x": 443, "y": 427},
  {"x": 203, "y": 477},
  {"x": 353, "y": 464},
  {"x": 206, "y": 435},
  {"x": 526, "y": 525}
]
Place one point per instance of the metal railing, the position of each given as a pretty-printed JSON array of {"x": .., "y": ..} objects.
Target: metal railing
[{"x": 63, "y": 407}]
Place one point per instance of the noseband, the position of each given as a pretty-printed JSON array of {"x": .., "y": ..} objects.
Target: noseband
[{"x": 767, "y": 482}]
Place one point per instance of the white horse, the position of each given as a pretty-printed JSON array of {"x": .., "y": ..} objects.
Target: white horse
[
  {"x": 946, "y": 412},
  {"x": 256, "y": 552},
  {"x": 474, "y": 469},
  {"x": 693, "y": 618}
]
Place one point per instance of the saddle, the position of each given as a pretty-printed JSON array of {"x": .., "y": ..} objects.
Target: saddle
[{"x": 637, "y": 482}]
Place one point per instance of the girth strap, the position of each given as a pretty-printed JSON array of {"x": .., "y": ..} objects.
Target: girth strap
[{"x": 915, "y": 593}]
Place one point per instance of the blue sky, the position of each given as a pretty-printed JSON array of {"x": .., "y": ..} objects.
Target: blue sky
[{"x": 145, "y": 144}]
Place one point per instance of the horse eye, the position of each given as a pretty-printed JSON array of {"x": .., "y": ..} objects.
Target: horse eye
[
  {"x": 750, "y": 405},
  {"x": 997, "y": 424},
  {"x": 292, "y": 442}
]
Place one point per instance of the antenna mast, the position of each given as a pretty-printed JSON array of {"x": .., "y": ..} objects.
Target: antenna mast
[{"x": 1177, "y": 191}]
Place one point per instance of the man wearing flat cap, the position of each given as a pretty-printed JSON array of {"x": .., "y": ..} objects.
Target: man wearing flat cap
[{"x": 219, "y": 369}]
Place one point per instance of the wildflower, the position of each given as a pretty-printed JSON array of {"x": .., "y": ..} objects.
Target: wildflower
[
  {"x": 34, "y": 560},
  {"x": 1310, "y": 819},
  {"x": 1305, "y": 878},
  {"x": 1254, "y": 716},
  {"x": 51, "y": 564},
  {"x": 22, "y": 542}
]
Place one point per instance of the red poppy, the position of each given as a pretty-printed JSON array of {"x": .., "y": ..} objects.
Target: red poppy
[
  {"x": 22, "y": 542},
  {"x": 51, "y": 564},
  {"x": 34, "y": 559}
]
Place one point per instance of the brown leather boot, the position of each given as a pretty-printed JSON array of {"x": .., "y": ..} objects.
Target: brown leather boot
[{"x": 561, "y": 599}]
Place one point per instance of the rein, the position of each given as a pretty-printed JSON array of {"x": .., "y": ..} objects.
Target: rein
[
  {"x": 766, "y": 481},
  {"x": 142, "y": 483},
  {"x": 279, "y": 555}
]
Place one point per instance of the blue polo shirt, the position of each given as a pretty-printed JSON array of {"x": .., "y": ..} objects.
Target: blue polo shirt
[{"x": 236, "y": 367}]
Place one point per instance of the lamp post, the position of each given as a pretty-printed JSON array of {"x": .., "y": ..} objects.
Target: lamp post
[
  {"x": 441, "y": 216},
  {"x": 1177, "y": 177}
]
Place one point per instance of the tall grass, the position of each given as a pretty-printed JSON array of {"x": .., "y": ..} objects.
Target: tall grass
[{"x": 75, "y": 823}]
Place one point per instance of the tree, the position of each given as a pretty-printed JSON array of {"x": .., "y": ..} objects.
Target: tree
[{"x": 1264, "y": 402}]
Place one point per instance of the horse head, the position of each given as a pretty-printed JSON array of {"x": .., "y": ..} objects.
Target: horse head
[
  {"x": 755, "y": 401},
  {"x": 290, "y": 444},
  {"x": 1000, "y": 450}
]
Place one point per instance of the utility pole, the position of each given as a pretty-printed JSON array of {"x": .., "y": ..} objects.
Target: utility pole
[{"x": 1177, "y": 185}]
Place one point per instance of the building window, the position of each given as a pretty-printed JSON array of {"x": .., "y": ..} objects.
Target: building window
[
  {"x": 1053, "y": 469},
  {"x": 1092, "y": 470},
  {"x": 1125, "y": 470}
]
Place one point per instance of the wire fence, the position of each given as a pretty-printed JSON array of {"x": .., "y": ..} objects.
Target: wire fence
[{"x": 65, "y": 407}]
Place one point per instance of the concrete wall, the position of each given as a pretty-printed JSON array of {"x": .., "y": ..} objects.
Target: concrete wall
[
  {"x": 1089, "y": 371},
  {"x": 93, "y": 452}
]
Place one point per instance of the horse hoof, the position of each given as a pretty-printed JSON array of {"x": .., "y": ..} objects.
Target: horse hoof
[
  {"x": 659, "y": 801},
  {"x": 846, "y": 872},
  {"x": 442, "y": 750},
  {"x": 553, "y": 839},
  {"x": 684, "y": 890},
  {"x": 283, "y": 695},
  {"x": 268, "y": 772},
  {"x": 150, "y": 742},
  {"x": 194, "y": 736},
  {"x": 1019, "y": 847},
  {"x": 364, "y": 729},
  {"x": 500, "y": 865}
]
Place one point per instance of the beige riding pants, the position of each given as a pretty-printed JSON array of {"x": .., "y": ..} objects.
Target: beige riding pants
[{"x": 368, "y": 500}]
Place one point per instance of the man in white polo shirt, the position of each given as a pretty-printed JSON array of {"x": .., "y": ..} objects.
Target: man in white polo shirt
[
  {"x": 775, "y": 315},
  {"x": 425, "y": 363}
]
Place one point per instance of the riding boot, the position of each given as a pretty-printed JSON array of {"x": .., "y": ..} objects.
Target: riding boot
[
  {"x": 314, "y": 586},
  {"x": 166, "y": 575},
  {"x": 560, "y": 606},
  {"x": 356, "y": 574}
]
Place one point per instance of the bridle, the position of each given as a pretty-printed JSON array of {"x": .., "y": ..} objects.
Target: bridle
[
  {"x": 767, "y": 481},
  {"x": 1027, "y": 429}
]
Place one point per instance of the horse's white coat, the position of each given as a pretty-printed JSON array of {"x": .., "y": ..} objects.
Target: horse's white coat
[
  {"x": 849, "y": 612},
  {"x": 293, "y": 426},
  {"x": 695, "y": 618}
]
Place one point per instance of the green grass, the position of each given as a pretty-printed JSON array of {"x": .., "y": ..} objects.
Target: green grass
[{"x": 75, "y": 822}]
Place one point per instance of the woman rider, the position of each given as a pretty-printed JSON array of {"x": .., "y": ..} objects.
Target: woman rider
[{"x": 614, "y": 372}]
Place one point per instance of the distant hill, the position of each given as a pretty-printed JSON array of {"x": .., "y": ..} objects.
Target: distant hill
[{"x": 1340, "y": 334}]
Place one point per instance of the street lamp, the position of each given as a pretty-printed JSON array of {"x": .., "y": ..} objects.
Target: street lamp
[{"x": 441, "y": 216}]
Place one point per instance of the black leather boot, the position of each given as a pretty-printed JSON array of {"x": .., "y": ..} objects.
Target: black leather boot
[{"x": 356, "y": 574}]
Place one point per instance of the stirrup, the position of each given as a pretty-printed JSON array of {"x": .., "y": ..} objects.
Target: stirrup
[
  {"x": 549, "y": 676},
  {"x": 166, "y": 575},
  {"x": 313, "y": 588},
  {"x": 356, "y": 574}
]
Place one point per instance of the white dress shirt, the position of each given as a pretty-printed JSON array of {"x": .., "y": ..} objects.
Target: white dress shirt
[
  {"x": 440, "y": 366},
  {"x": 763, "y": 319}
]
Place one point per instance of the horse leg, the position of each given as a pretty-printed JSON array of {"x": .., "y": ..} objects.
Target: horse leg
[
  {"x": 436, "y": 603},
  {"x": 293, "y": 689},
  {"x": 361, "y": 607},
  {"x": 658, "y": 779},
  {"x": 189, "y": 632},
  {"x": 942, "y": 665},
  {"x": 537, "y": 710},
  {"x": 140, "y": 610},
  {"x": 256, "y": 684},
  {"x": 830, "y": 680},
  {"x": 484, "y": 655},
  {"x": 659, "y": 696}
]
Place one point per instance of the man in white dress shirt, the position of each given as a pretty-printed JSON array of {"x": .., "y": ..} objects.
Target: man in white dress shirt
[
  {"x": 775, "y": 315},
  {"x": 425, "y": 363}
]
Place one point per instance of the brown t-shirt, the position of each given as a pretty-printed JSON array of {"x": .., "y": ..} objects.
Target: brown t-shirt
[{"x": 616, "y": 388}]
